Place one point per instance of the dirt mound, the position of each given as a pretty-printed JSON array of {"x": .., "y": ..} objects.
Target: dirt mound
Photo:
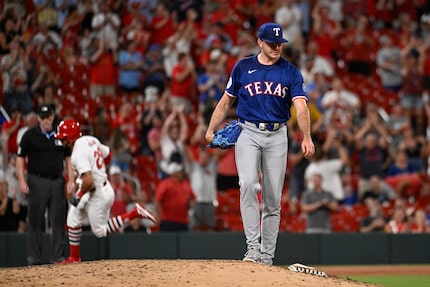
[{"x": 175, "y": 273}]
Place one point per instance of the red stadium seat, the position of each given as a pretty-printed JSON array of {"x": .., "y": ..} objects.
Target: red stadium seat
[
  {"x": 233, "y": 222},
  {"x": 228, "y": 202},
  {"x": 144, "y": 167},
  {"x": 359, "y": 211},
  {"x": 293, "y": 223},
  {"x": 345, "y": 220}
]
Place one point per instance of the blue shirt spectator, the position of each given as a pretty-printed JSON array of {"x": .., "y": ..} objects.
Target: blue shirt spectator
[
  {"x": 401, "y": 165},
  {"x": 130, "y": 68}
]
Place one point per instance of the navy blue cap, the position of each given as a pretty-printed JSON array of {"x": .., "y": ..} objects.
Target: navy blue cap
[
  {"x": 45, "y": 111},
  {"x": 271, "y": 33}
]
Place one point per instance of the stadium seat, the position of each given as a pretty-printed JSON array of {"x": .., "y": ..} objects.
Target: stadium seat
[
  {"x": 233, "y": 222},
  {"x": 228, "y": 202},
  {"x": 144, "y": 167},
  {"x": 359, "y": 211},
  {"x": 293, "y": 223}
]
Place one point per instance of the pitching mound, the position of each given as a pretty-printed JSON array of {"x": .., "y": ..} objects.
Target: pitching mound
[{"x": 175, "y": 273}]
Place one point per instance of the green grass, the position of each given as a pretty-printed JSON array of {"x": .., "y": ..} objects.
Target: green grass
[{"x": 395, "y": 280}]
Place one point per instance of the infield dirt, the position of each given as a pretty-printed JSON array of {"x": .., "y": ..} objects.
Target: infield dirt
[{"x": 178, "y": 273}]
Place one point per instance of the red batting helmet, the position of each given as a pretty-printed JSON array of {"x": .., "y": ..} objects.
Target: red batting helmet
[{"x": 69, "y": 130}]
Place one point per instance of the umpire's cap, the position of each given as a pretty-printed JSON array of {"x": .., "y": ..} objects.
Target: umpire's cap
[
  {"x": 45, "y": 111},
  {"x": 271, "y": 33}
]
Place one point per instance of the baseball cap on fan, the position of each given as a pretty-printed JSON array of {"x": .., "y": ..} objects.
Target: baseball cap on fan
[
  {"x": 271, "y": 33},
  {"x": 114, "y": 170}
]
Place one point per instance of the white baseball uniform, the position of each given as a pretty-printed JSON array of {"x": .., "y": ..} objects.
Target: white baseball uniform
[{"x": 88, "y": 155}]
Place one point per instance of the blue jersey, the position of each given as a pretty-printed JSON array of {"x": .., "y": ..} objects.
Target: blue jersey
[{"x": 265, "y": 92}]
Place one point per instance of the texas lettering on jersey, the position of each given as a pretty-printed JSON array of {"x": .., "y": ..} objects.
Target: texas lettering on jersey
[
  {"x": 265, "y": 87},
  {"x": 265, "y": 92}
]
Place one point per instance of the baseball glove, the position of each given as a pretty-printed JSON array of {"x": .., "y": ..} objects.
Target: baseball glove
[{"x": 227, "y": 136}]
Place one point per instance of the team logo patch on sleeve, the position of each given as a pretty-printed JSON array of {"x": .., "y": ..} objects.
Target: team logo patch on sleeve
[{"x": 304, "y": 87}]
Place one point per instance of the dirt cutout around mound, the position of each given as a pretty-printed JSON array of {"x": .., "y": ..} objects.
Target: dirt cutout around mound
[{"x": 177, "y": 273}]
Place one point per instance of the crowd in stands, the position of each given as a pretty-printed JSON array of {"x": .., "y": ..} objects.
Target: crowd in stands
[{"x": 144, "y": 76}]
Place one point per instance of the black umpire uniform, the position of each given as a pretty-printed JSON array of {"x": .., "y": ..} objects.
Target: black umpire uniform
[{"x": 46, "y": 186}]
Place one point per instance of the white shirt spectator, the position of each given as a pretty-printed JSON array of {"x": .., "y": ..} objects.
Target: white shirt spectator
[
  {"x": 329, "y": 170},
  {"x": 47, "y": 40},
  {"x": 203, "y": 181},
  {"x": 337, "y": 101},
  {"x": 105, "y": 26},
  {"x": 289, "y": 17}
]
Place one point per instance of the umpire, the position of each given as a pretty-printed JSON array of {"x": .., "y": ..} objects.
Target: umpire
[{"x": 44, "y": 182}]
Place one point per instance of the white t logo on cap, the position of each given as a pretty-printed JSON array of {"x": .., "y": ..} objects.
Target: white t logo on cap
[{"x": 276, "y": 30}]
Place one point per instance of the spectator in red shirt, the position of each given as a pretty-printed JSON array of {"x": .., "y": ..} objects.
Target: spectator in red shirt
[
  {"x": 228, "y": 18},
  {"x": 183, "y": 83},
  {"x": 397, "y": 223},
  {"x": 382, "y": 12},
  {"x": 263, "y": 11},
  {"x": 419, "y": 222},
  {"x": 162, "y": 24},
  {"x": 103, "y": 78},
  {"x": 9, "y": 132},
  {"x": 138, "y": 32},
  {"x": 405, "y": 28},
  {"x": 246, "y": 10},
  {"x": 405, "y": 7},
  {"x": 131, "y": 14},
  {"x": 324, "y": 30},
  {"x": 360, "y": 44},
  {"x": 173, "y": 198}
]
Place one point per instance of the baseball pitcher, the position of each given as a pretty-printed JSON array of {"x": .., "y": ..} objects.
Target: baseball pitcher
[{"x": 265, "y": 86}]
